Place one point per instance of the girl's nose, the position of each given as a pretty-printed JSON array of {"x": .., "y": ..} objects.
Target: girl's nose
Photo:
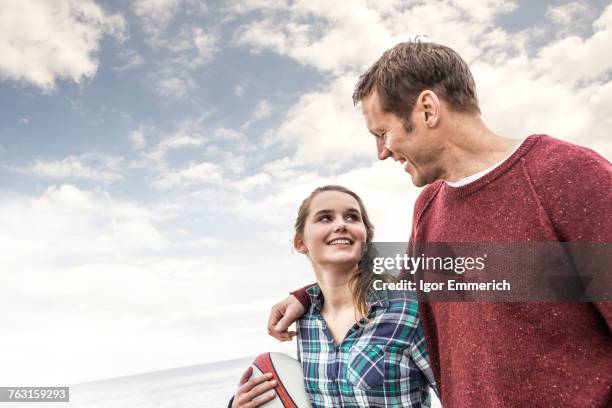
[{"x": 340, "y": 225}]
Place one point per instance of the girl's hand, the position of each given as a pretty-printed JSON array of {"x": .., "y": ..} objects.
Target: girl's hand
[{"x": 254, "y": 392}]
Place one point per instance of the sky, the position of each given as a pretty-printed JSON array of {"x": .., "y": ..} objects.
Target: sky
[{"x": 153, "y": 155}]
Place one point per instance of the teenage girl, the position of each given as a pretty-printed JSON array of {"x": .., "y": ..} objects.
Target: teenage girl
[{"x": 358, "y": 347}]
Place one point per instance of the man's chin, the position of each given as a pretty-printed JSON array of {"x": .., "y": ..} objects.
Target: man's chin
[{"x": 418, "y": 180}]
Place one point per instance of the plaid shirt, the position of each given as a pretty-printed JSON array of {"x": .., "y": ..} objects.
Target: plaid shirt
[{"x": 381, "y": 364}]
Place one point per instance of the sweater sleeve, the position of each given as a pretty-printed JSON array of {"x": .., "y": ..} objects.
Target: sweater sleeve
[
  {"x": 574, "y": 185},
  {"x": 303, "y": 296}
]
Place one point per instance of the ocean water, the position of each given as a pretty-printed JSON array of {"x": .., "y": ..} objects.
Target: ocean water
[{"x": 207, "y": 385}]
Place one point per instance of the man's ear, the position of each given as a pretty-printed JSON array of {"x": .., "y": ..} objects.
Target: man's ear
[
  {"x": 431, "y": 108},
  {"x": 298, "y": 244}
]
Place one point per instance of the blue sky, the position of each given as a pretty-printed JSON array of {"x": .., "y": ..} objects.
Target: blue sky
[{"x": 153, "y": 155}]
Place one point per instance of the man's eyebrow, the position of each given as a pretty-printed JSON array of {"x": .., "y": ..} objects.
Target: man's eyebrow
[{"x": 376, "y": 132}]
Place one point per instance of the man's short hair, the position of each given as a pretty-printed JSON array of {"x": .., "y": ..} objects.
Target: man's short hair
[{"x": 409, "y": 68}]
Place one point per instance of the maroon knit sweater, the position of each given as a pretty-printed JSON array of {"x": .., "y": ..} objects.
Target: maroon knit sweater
[{"x": 521, "y": 354}]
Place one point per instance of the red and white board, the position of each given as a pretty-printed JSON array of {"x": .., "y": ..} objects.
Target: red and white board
[{"x": 287, "y": 371}]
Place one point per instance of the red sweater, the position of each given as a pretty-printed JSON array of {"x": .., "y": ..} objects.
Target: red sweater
[{"x": 521, "y": 354}]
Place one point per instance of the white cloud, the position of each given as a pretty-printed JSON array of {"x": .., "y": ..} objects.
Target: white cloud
[
  {"x": 175, "y": 87},
  {"x": 86, "y": 166},
  {"x": 251, "y": 182},
  {"x": 239, "y": 90},
  {"x": 191, "y": 48},
  {"x": 554, "y": 93},
  {"x": 229, "y": 134},
  {"x": 231, "y": 143},
  {"x": 484, "y": 11},
  {"x": 155, "y": 14},
  {"x": 179, "y": 140},
  {"x": 206, "y": 44},
  {"x": 573, "y": 59},
  {"x": 69, "y": 225},
  {"x": 207, "y": 242},
  {"x": 182, "y": 138},
  {"x": 86, "y": 268},
  {"x": 179, "y": 56},
  {"x": 231, "y": 162},
  {"x": 188, "y": 133},
  {"x": 178, "y": 52},
  {"x": 130, "y": 59},
  {"x": 567, "y": 13},
  {"x": 349, "y": 35},
  {"x": 204, "y": 172},
  {"x": 137, "y": 138},
  {"x": 263, "y": 110},
  {"x": 283, "y": 168},
  {"x": 339, "y": 47},
  {"x": 325, "y": 128},
  {"x": 243, "y": 7},
  {"x": 43, "y": 41}
]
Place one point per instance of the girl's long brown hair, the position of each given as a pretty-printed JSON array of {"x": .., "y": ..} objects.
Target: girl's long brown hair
[{"x": 361, "y": 281}]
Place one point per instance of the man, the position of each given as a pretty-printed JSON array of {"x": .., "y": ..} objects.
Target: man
[{"x": 419, "y": 102}]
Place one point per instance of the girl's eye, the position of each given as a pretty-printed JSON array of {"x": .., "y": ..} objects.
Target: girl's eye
[
  {"x": 324, "y": 218},
  {"x": 352, "y": 217}
]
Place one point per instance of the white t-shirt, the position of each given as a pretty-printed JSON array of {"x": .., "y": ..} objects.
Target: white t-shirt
[{"x": 468, "y": 179}]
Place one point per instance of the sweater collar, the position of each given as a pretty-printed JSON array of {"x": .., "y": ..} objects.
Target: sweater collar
[{"x": 464, "y": 191}]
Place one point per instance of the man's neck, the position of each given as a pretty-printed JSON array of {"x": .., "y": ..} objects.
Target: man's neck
[{"x": 471, "y": 147}]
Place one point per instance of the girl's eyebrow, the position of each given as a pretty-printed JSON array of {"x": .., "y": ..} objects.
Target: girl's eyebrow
[{"x": 352, "y": 210}]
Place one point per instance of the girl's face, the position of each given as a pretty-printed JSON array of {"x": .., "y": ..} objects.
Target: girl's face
[{"x": 333, "y": 231}]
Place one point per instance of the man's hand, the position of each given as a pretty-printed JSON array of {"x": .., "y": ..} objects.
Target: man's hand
[
  {"x": 282, "y": 315},
  {"x": 254, "y": 392}
]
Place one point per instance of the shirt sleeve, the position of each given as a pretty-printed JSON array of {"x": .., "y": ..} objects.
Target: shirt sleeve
[
  {"x": 418, "y": 352},
  {"x": 573, "y": 185},
  {"x": 297, "y": 346},
  {"x": 303, "y": 296}
]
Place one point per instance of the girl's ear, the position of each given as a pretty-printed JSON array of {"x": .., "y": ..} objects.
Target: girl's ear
[{"x": 298, "y": 244}]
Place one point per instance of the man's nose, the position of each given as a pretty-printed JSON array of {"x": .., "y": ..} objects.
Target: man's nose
[{"x": 383, "y": 152}]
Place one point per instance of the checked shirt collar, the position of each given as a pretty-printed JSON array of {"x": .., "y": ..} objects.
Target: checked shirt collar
[{"x": 375, "y": 299}]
